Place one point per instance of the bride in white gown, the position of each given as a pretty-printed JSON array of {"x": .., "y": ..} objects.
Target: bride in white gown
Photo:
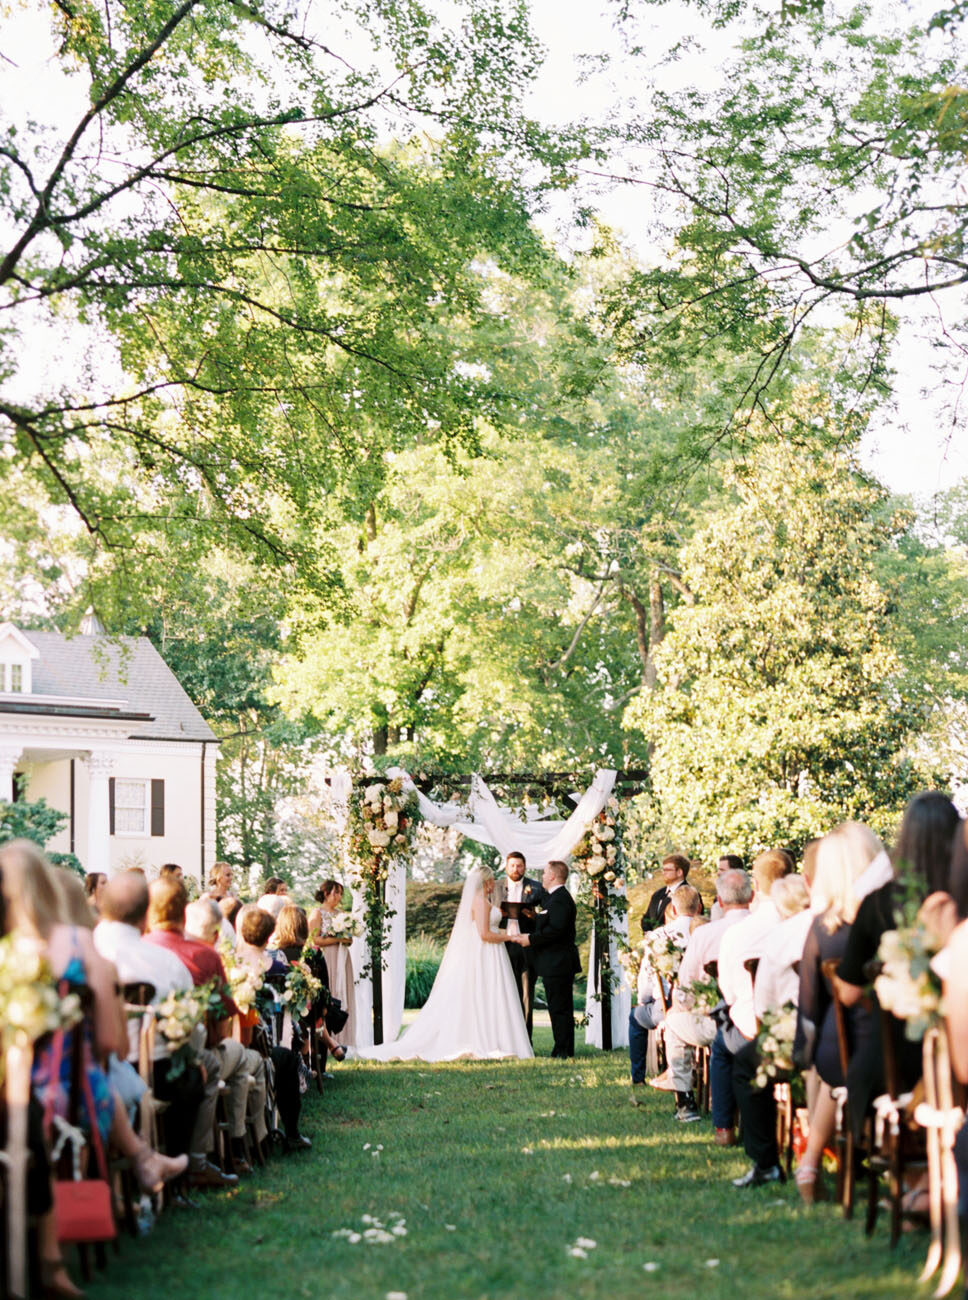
[{"x": 474, "y": 1009}]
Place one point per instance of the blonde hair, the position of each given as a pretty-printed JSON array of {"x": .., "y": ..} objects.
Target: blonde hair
[
  {"x": 687, "y": 901},
  {"x": 790, "y": 894},
  {"x": 28, "y": 888},
  {"x": 842, "y": 856},
  {"x": 75, "y": 907}
]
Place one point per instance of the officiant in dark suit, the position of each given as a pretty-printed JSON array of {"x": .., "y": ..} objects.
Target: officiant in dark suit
[
  {"x": 555, "y": 955},
  {"x": 517, "y": 895}
]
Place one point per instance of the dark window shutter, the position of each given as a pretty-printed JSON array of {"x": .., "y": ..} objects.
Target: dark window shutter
[
  {"x": 157, "y": 807},
  {"x": 111, "y": 803}
]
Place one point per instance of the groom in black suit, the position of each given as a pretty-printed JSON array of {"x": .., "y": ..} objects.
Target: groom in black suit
[{"x": 555, "y": 955}]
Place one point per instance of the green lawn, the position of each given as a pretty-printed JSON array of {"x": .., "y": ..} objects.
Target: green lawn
[{"x": 497, "y": 1168}]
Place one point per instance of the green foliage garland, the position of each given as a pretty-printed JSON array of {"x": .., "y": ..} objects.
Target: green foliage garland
[{"x": 380, "y": 830}]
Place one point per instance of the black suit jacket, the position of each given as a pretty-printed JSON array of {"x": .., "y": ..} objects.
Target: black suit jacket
[
  {"x": 532, "y": 895},
  {"x": 657, "y": 904},
  {"x": 553, "y": 948}
]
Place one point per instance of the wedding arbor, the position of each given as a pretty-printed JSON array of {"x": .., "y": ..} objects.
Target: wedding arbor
[{"x": 381, "y": 816}]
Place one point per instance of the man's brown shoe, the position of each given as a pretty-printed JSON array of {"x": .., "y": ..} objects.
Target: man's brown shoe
[
  {"x": 205, "y": 1174},
  {"x": 725, "y": 1137}
]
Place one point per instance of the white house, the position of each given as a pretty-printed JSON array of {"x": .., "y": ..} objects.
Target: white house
[{"x": 102, "y": 729}]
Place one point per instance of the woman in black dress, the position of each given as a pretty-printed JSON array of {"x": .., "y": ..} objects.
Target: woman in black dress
[{"x": 842, "y": 856}]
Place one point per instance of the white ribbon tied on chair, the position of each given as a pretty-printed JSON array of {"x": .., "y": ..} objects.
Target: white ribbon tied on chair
[{"x": 887, "y": 1111}]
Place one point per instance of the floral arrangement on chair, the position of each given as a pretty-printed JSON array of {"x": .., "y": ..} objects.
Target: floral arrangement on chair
[
  {"x": 243, "y": 980},
  {"x": 630, "y": 960},
  {"x": 179, "y": 1014},
  {"x": 30, "y": 1004},
  {"x": 907, "y": 986},
  {"x": 774, "y": 1043},
  {"x": 702, "y": 995},
  {"x": 665, "y": 954},
  {"x": 302, "y": 987}
]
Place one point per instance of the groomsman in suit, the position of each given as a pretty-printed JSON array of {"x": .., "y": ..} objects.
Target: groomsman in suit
[
  {"x": 675, "y": 868},
  {"x": 517, "y": 895},
  {"x": 555, "y": 955}
]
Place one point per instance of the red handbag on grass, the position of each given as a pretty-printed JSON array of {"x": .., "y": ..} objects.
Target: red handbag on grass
[{"x": 82, "y": 1206}]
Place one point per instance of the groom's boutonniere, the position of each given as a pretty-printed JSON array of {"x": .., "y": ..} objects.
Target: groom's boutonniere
[{"x": 527, "y": 889}]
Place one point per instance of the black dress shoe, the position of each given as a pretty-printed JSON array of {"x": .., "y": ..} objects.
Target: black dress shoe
[
  {"x": 298, "y": 1143},
  {"x": 757, "y": 1177}
]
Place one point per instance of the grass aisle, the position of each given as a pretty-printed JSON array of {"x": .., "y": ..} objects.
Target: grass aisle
[{"x": 497, "y": 1168}]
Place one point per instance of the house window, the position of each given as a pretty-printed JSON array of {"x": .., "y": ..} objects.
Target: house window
[
  {"x": 17, "y": 678},
  {"x": 130, "y": 807}
]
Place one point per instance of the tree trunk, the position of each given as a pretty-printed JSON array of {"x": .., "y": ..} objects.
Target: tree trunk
[{"x": 657, "y": 628}]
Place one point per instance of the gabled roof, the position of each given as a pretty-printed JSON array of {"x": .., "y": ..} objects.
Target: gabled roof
[
  {"x": 124, "y": 668},
  {"x": 10, "y": 630}
]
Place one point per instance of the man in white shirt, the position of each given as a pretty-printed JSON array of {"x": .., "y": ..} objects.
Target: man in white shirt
[
  {"x": 683, "y": 1029},
  {"x": 736, "y": 1038},
  {"x": 684, "y": 908}
]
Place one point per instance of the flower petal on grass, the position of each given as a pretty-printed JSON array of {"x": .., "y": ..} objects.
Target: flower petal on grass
[
  {"x": 586, "y": 1243},
  {"x": 576, "y": 1252},
  {"x": 651, "y": 1266},
  {"x": 712, "y": 1263}
]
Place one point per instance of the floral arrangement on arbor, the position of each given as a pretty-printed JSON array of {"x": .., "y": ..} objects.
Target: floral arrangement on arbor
[
  {"x": 244, "y": 981},
  {"x": 599, "y": 855},
  {"x": 302, "y": 988},
  {"x": 30, "y": 1004},
  {"x": 907, "y": 985},
  {"x": 774, "y": 1042},
  {"x": 177, "y": 1017},
  {"x": 599, "y": 860},
  {"x": 380, "y": 829}
]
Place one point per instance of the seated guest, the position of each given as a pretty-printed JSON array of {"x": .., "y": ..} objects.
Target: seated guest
[
  {"x": 842, "y": 856},
  {"x": 743, "y": 942},
  {"x": 683, "y": 912},
  {"x": 32, "y": 907},
  {"x": 780, "y": 984},
  {"x": 685, "y": 1030},
  {"x": 727, "y": 862},
  {"x": 241, "y": 1069},
  {"x": 923, "y": 850},
  {"x": 171, "y": 869},
  {"x": 94, "y": 883},
  {"x": 255, "y": 927},
  {"x": 120, "y": 938},
  {"x": 274, "y": 896},
  {"x": 778, "y": 976}
]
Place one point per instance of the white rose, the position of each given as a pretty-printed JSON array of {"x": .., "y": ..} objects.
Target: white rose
[
  {"x": 378, "y": 839},
  {"x": 391, "y": 820},
  {"x": 373, "y": 793},
  {"x": 606, "y": 833},
  {"x": 596, "y": 866},
  {"x": 610, "y": 854}
]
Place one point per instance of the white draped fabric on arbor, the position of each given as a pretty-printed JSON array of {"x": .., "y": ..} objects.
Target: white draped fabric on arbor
[
  {"x": 621, "y": 997},
  {"x": 540, "y": 841}
]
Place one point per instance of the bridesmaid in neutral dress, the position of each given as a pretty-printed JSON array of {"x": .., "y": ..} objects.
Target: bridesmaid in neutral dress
[{"x": 335, "y": 949}]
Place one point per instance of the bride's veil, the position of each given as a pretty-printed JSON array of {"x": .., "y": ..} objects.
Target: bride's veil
[{"x": 465, "y": 927}]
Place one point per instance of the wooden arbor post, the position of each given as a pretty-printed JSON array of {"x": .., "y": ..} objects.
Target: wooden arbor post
[{"x": 602, "y": 977}]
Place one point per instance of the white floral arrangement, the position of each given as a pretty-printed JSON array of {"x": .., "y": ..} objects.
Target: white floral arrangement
[
  {"x": 630, "y": 959},
  {"x": 243, "y": 980},
  {"x": 343, "y": 925},
  {"x": 703, "y": 995},
  {"x": 664, "y": 953},
  {"x": 600, "y": 852},
  {"x": 30, "y": 1004},
  {"x": 907, "y": 985},
  {"x": 385, "y": 819},
  {"x": 302, "y": 989},
  {"x": 178, "y": 1014},
  {"x": 778, "y": 1027}
]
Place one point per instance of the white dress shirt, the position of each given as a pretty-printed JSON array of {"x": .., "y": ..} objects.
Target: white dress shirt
[
  {"x": 704, "y": 944},
  {"x": 139, "y": 962},
  {"x": 513, "y": 893},
  {"x": 744, "y": 941},
  {"x": 776, "y": 980}
]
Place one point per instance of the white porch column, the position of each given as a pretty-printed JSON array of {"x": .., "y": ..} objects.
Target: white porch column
[
  {"x": 9, "y": 758},
  {"x": 98, "y": 857}
]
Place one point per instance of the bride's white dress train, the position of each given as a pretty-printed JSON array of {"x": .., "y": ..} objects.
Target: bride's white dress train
[{"x": 474, "y": 1009}]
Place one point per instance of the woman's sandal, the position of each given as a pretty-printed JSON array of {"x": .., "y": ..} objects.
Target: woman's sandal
[
  {"x": 339, "y": 1052},
  {"x": 55, "y": 1282}
]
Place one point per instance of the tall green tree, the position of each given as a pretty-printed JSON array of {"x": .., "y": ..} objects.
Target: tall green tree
[{"x": 779, "y": 708}]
